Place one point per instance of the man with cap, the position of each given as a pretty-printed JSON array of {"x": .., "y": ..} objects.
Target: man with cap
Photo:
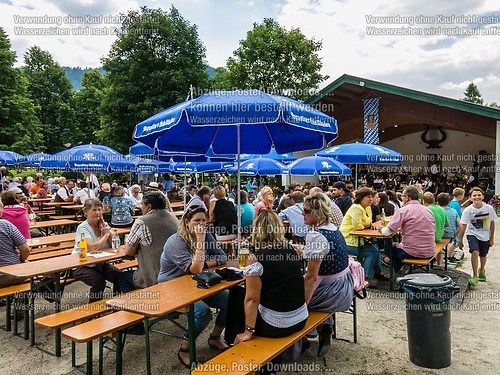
[
  {"x": 155, "y": 186},
  {"x": 341, "y": 196}
]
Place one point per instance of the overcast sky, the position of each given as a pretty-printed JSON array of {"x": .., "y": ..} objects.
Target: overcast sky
[{"x": 443, "y": 63}]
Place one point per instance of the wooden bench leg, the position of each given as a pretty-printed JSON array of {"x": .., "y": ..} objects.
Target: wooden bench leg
[
  {"x": 89, "y": 359},
  {"x": 146, "y": 338}
]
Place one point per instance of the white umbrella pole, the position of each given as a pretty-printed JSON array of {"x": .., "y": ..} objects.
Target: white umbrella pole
[{"x": 238, "y": 183}]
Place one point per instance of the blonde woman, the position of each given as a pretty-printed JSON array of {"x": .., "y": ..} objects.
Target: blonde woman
[
  {"x": 189, "y": 251},
  {"x": 271, "y": 310},
  {"x": 328, "y": 282},
  {"x": 266, "y": 201}
]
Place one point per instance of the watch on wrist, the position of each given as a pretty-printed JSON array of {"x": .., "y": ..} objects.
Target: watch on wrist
[{"x": 250, "y": 329}]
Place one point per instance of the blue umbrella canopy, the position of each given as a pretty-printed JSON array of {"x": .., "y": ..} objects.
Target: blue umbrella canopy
[
  {"x": 311, "y": 165},
  {"x": 35, "y": 159},
  {"x": 260, "y": 166},
  {"x": 362, "y": 153},
  {"x": 140, "y": 149},
  {"x": 263, "y": 120},
  {"x": 284, "y": 158},
  {"x": 92, "y": 158},
  {"x": 199, "y": 167},
  {"x": 10, "y": 157}
]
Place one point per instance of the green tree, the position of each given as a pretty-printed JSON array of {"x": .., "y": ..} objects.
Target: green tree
[
  {"x": 494, "y": 105},
  {"x": 87, "y": 103},
  {"x": 472, "y": 94},
  {"x": 19, "y": 127},
  {"x": 276, "y": 60},
  {"x": 151, "y": 66},
  {"x": 52, "y": 92}
]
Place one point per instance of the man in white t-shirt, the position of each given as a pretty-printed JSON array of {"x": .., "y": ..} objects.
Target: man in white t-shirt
[{"x": 477, "y": 223}]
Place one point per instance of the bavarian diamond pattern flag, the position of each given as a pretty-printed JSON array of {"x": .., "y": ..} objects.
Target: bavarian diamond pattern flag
[{"x": 371, "y": 109}]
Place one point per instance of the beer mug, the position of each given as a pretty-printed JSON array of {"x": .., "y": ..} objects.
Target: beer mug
[{"x": 243, "y": 257}]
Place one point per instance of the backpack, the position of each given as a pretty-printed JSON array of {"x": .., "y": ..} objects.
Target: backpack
[{"x": 358, "y": 277}]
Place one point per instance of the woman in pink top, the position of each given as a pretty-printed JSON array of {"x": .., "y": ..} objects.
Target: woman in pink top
[
  {"x": 15, "y": 213},
  {"x": 265, "y": 202}
]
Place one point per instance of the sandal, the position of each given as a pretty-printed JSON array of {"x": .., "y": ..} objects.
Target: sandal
[
  {"x": 182, "y": 350},
  {"x": 216, "y": 338}
]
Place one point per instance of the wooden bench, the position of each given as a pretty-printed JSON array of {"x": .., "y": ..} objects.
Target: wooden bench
[
  {"x": 122, "y": 266},
  {"x": 110, "y": 324},
  {"x": 425, "y": 263},
  {"x": 72, "y": 316},
  {"x": 44, "y": 249},
  {"x": 9, "y": 293},
  {"x": 250, "y": 356}
]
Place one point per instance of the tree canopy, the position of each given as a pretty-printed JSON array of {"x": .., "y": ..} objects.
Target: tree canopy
[
  {"x": 275, "y": 60},
  {"x": 156, "y": 58},
  {"x": 19, "y": 127},
  {"x": 51, "y": 91},
  {"x": 472, "y": 94}
]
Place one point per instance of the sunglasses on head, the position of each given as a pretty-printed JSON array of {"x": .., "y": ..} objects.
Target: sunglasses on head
[
  {"x": 194, "y": 209},
  {"x": 307, "y": 211}
]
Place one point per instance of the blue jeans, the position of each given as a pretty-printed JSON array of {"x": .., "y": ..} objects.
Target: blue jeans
[
  {"x": 371, "y": 258},
  {"x": 203, "y": 315}
]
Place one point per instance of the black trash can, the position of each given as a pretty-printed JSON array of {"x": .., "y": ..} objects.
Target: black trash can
[{"x": 428, "y": 318}]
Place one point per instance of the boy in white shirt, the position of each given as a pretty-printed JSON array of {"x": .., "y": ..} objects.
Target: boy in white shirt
[{"x": 478, "y": 224}]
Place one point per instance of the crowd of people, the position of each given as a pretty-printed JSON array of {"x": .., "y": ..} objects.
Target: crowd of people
[{"x": 319, "y": 221}]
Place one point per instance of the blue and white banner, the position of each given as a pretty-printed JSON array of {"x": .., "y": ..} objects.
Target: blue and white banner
[{"x": 371, "y": 111}]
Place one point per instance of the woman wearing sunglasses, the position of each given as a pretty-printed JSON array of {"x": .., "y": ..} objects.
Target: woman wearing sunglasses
[
  {"x": 328, "y": 281},
  {"x": 189, "y": 251}
]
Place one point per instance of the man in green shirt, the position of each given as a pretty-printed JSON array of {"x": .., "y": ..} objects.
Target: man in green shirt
[{"x": 439, "y": 215}]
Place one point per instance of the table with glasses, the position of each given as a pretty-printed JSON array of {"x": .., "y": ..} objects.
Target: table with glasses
[
  {"x": 159, "y": 300},
  {"x": 375, "y": 233}
]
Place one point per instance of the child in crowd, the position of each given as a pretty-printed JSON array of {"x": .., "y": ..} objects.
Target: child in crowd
[
  {"x": 478, "y": 224},
  {"x": 452, "y": 230}
]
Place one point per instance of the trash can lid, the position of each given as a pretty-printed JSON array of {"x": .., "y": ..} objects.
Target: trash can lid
[{"x": 425, "y": 279}]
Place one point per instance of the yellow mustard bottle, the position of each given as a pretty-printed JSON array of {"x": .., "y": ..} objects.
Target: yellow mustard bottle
[{"x": 82, "y": 247}]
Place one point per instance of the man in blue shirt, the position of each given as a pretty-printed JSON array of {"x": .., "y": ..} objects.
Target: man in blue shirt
[{"x": 294, "y": 215}]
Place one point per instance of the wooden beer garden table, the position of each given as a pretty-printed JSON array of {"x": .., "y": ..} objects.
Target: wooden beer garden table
[
  {"x": 46, "y": 226},
  {"x": 49, "y": 270},
  {"x": 65, "y": 237},
  {"x": 157, "y": 301},
  {"x": 375, "y": 233}
]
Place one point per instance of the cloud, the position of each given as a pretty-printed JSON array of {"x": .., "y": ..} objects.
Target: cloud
[{"x": 422, "y": 62}]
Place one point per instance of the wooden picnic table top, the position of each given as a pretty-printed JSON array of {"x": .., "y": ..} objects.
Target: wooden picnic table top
[
  {"x": 53, "y": 223},
  {"x": 59, "y": 204},
  {"x": 164, "y": 298},
  {"x": 57, "y": 264},
  {"x": 66, "y": 237},
  {"x": 177, "y": 204},
  {"x": 48, "y": 199},
  {"x": 75, "y": 207}
]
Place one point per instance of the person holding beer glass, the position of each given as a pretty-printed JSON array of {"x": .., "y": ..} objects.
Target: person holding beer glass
[
  {"x": 273, "y": 271},
  {"x": 189, "y": 251},
  {"x": 359, "y": 217}
]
